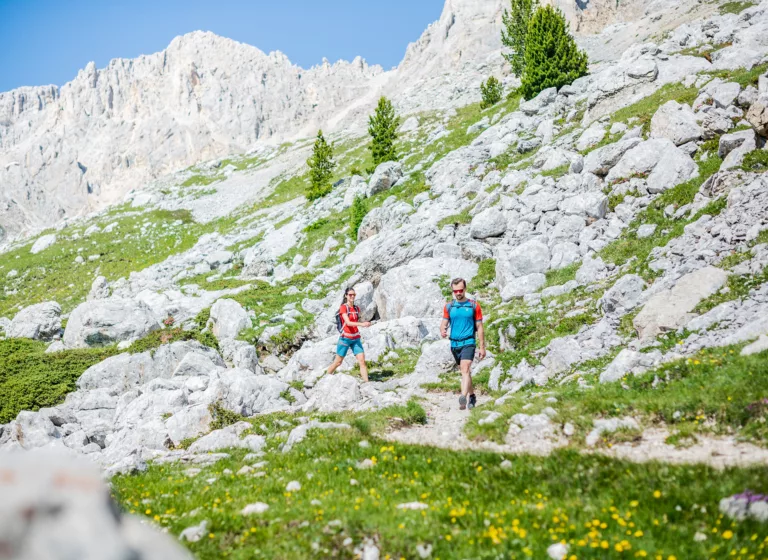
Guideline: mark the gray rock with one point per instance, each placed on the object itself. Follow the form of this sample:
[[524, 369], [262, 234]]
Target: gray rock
[[228, 318], [590, 137], [670, 309], [108, 321], [475, 251], [447, 251], [628, 361], [40, 322], [228, 437], [86, 524], [488, 223], [665, 164], [240, 354], [602, 160], [538, 103], [528, 145], [592, 270], [299, 433], [675, 122], [386, 175], [646, 230], [747, 96], [591, 204], [624, 295], [99, 289], [760, 345], [609, 425], [724, 94], [733, 147], [43, 243], [757, 116], [523, 285]]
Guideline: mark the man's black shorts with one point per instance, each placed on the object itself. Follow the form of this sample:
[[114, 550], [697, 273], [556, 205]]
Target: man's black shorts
[[463, 353]]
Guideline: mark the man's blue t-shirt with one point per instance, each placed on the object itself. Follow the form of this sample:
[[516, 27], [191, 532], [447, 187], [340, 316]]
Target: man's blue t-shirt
[[462, 319]]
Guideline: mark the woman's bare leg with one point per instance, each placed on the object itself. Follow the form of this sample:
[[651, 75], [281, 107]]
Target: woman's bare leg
[[335, 364], [363, 366]]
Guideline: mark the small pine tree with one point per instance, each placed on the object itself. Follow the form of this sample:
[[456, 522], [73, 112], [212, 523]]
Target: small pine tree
[[515, 31], [321, 166], [552, 58], [491, 91], [382, 126], [359, 210]]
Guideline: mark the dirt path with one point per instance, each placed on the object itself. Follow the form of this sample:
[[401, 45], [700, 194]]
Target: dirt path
[[445, 428]]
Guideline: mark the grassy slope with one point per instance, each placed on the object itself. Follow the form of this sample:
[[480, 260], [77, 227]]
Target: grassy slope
[[475, 508]]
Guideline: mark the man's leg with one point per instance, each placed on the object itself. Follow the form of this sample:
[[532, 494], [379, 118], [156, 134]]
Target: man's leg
[[466, 378], [363, 366]]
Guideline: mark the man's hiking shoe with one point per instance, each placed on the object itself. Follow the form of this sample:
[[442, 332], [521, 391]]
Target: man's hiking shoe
[[462, 402], [472, 400]]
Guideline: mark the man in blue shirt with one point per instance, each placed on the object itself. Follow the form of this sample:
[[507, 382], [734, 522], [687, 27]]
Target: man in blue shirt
[[466, 321]]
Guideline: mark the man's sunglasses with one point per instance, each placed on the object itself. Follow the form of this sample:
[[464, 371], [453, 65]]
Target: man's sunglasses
[[459, 291]]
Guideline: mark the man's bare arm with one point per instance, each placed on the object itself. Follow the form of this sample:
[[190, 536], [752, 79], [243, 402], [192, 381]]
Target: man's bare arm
[[481, 339]]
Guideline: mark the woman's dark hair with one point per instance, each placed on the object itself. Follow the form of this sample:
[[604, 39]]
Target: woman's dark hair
[[346, 291]]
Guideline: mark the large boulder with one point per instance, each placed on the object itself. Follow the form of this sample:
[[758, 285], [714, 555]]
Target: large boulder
[[386, 175], [228, 318], [108, 321], [624, 295], [40, 322], [670, 309], [56, 505], [602, 160], [665, 164], [488, 223], [758, 115], [43, 243], [247, 393], [524, 261], [675, 122], [733, 147], [333, 393], [413, 289]]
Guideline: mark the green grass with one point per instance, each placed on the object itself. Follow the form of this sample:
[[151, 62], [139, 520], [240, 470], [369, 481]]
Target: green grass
[[629, 245], [534, 331], [486, 273], [462, 217], [157, 338], [474, 507], [559, 276], [201, 180], [734, 7], [644, 109], [756, 161], [31, 379], [557, 172], [53, 275], [714, 391], [741, 76]]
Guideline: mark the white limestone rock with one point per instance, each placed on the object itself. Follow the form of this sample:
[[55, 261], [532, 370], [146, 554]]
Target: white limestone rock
[[108, 321], [40, 322]]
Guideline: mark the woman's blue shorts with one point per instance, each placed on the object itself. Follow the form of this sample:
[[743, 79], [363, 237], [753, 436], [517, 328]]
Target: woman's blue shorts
[[346, 344]]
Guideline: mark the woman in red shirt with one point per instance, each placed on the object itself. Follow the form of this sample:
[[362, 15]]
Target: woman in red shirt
[[350, 335]]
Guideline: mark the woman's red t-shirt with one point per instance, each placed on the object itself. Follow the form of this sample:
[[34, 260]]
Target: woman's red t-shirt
[[349, 331]]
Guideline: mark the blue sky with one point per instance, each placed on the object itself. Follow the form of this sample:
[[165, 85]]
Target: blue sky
[[47, 42]]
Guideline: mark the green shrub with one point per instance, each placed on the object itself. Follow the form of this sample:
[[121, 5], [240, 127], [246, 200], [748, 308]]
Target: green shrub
[[552, 58], [359, 210], [382, 126], [321, 166], [31, 379], [756, 161], [491, 91], [486, 273], [221, 417], [514, 32]]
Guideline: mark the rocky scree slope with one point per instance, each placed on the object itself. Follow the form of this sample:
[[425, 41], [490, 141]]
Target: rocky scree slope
[[625, 212]]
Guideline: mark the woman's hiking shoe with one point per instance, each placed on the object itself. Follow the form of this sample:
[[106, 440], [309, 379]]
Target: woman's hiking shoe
[[462, 402], [472, 400]]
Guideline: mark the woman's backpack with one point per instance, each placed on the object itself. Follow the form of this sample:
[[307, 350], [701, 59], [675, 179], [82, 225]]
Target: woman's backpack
[[340, 319]]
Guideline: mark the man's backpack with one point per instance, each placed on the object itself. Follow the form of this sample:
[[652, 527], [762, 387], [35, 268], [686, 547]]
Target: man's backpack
[[474, 307], [340, 319]]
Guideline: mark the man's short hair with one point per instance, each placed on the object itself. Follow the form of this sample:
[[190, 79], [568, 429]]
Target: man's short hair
[[457, 281]]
